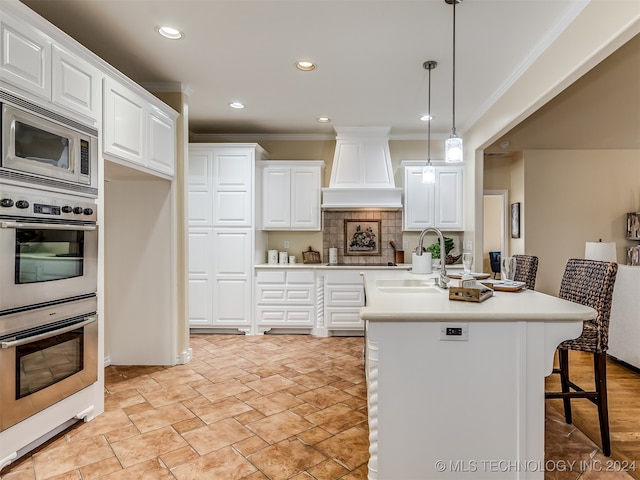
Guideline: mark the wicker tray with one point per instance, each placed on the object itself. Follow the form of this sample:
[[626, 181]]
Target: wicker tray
[[310, 256]]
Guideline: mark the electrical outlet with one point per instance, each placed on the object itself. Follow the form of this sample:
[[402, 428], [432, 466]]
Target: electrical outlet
[[405, 244], [454, 331], [468, 245], [286, 244]]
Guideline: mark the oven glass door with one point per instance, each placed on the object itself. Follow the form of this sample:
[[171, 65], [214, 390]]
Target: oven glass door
[[41, 263], [45, 255], [45, 362]]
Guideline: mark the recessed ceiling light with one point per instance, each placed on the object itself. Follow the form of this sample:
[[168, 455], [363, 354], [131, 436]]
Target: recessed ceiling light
[[426, 118], [323, 119], [305, 65], [170, 33], [236, 105]]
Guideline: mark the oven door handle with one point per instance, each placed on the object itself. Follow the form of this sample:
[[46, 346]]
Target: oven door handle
[[42, 336], [48, 226]]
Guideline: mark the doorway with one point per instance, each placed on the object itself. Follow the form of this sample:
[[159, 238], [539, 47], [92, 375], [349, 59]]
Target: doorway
[[495, 210]]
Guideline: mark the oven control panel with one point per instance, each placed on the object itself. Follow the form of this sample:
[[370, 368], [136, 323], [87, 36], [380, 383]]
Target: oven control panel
[[23, 202]]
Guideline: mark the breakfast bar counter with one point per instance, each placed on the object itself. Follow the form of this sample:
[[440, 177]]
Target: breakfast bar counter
[[456, 388]]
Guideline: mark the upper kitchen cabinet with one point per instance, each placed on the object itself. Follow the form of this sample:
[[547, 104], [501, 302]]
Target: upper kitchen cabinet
[[39, 67], [291, 194], [221, 179], [437, 204], [138, 131]]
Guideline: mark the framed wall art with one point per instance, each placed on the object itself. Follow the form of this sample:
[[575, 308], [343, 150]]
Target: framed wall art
[[362, 237], [515, 220]]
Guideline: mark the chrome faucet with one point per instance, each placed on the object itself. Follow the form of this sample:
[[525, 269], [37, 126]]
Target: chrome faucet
[[443, 280]]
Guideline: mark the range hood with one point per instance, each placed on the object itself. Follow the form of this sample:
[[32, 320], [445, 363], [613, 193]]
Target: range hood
[[361, 174]]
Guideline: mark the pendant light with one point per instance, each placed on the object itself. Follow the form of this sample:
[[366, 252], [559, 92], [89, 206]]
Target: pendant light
[[453, 144], [428, 171]]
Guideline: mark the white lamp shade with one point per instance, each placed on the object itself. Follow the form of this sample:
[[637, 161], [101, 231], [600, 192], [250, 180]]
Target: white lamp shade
[[453, 150], [603, 251]]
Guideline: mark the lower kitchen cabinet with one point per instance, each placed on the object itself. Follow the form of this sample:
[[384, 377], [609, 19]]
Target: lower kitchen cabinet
[[343, 298], [285, 298], [220, 282]]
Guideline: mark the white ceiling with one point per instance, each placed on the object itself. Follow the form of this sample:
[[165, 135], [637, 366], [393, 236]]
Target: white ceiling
[[369, 55]]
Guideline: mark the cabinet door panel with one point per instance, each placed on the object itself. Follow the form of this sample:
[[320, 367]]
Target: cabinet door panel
[[200, 252], [124, 123], [232, 252], [305, 198], [276, 209], [161, 141], [232, 181], [200, 189], [232, 208], [419, 201], [231, 302], [25, 57], [448, 212], [75, 84], [199, 301]]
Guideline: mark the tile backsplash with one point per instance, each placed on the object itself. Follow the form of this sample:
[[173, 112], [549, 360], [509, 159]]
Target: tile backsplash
[[334, 235]]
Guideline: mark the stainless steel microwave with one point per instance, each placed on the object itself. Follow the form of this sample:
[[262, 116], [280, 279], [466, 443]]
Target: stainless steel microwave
[[39, 146]]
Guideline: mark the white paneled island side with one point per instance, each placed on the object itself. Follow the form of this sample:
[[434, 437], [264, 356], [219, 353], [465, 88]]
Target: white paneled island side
[[455, 388]]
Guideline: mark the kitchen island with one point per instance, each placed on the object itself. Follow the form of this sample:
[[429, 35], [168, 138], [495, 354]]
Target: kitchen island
[[456, 388]]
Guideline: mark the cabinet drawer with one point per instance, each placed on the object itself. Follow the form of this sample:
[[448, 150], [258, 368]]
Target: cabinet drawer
[[290, 317], [300, 276], [342, 277], [271, 294], [271, 276], [300, 295], [344, 318], [344, 296]]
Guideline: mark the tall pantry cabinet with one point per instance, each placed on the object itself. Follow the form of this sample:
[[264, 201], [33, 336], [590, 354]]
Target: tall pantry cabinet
[[222, 234]]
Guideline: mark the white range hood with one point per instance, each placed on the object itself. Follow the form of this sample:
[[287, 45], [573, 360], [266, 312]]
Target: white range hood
[[361, 175]]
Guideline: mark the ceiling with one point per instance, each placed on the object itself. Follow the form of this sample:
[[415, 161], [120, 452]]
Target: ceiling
[[369, 56]]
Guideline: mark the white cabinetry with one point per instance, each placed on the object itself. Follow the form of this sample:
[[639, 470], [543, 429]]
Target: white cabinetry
[[291, 195], [137, 131], [432, 205], [222, 235], [343, 298], [285, 299], [25, 57], [33, 64]]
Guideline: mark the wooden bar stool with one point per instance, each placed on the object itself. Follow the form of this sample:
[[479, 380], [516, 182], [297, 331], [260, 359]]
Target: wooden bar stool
[[590, 283]]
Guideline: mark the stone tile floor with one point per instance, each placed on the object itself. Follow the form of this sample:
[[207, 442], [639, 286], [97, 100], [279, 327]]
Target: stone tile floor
[[264, 407]]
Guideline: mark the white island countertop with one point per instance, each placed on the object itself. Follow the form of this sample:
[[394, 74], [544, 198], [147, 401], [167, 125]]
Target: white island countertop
[[411, 304], [456, 389]]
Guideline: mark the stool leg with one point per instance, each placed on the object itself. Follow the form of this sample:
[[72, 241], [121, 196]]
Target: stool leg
[[600, 369], [563, 359]]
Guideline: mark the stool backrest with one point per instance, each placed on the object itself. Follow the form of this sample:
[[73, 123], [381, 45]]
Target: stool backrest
[[526, 270], [590, 283]]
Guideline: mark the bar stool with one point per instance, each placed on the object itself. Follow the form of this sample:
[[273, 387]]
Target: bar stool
[[526, 270], [590, 283]]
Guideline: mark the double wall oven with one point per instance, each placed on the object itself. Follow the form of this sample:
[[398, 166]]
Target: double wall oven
[[48, 263]]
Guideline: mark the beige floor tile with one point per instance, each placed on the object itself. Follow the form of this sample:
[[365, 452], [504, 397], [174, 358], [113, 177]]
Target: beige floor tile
[[217, 435], [226, 408], [161, 417], [218, 391], [324, 397], [147, 446], [287, 458], [223, 464], [279, 426], [328, 470], [274, 402], [270, 384], [171, 393], [102, 424], [68, 457], [178, 457], [250, 445], [100, 468], [152, 469], [336, 418], [350, 448]]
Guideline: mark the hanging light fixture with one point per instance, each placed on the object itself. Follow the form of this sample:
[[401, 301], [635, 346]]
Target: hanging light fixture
[[428, 171], [453, 144]]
